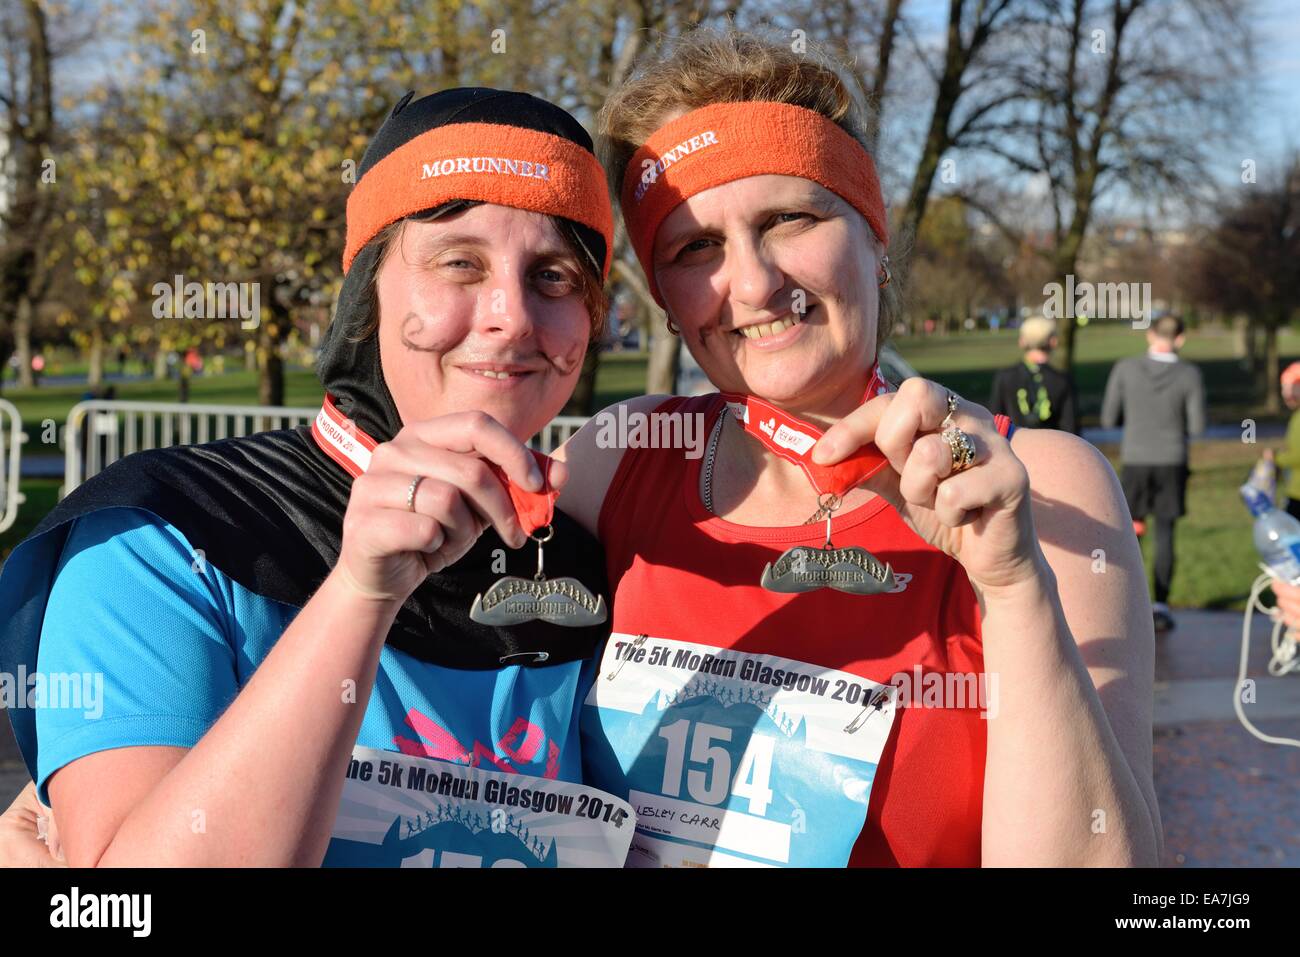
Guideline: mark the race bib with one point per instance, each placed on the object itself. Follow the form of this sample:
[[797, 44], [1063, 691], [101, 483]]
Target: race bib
[[734, 759], [404, 811]]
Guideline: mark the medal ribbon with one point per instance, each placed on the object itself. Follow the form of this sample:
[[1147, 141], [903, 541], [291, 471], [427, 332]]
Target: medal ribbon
[[535, 509], [792, 439], [341, 439]]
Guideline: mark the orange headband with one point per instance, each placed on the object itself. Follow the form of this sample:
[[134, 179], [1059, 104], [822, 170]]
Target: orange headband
[[722, 142], [1291, 374], [488, 162]]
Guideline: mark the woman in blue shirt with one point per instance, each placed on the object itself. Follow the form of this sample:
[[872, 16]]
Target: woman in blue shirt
[[239, 618]]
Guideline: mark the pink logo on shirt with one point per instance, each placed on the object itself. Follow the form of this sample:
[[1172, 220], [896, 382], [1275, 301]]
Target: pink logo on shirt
[[522, 743]]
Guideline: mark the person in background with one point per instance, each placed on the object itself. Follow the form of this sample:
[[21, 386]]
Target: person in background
[[1032, 393], [1288, 457], [1160, 401]]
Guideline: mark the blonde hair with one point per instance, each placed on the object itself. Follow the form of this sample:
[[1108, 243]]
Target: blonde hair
[[707, 66], [1036, 332]]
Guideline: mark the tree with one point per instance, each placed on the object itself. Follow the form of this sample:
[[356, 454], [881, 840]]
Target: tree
[[1248, 263], [28, 124], [1123, 96], [227, 149]]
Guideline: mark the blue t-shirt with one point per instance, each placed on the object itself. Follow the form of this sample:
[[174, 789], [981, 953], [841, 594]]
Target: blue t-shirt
[[175, 639]]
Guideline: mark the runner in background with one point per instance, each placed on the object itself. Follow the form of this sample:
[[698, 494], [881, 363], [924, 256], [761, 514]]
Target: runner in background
[[1032, 393], [1160, 402]]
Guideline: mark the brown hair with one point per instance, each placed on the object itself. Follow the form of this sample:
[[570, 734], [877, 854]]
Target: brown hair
[[594, 295], [707, 66], [1168, 328]]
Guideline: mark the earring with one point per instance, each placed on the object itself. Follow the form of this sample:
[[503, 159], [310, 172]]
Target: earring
[[888, 276], [671, 328]]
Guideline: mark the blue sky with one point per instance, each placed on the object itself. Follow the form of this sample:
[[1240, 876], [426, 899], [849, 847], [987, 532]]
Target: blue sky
[[1265, 126], [1276, 123], [1270, 124]]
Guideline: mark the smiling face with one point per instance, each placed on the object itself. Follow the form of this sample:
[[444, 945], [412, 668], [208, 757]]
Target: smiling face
[[482, 309], [735, 264]]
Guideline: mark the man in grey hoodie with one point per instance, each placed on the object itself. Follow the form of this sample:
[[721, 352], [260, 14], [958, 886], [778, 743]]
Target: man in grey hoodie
[[1160, 401]]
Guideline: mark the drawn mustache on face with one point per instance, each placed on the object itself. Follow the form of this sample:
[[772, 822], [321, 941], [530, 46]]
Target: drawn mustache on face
[[559, 601], [853, 570], [413, 326], [413, 334]]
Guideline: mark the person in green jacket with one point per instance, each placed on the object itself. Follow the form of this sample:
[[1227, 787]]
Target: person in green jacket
[[1288, 457]]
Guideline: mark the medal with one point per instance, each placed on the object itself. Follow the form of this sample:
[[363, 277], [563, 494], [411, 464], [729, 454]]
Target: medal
[[514, 600], [806, 568]]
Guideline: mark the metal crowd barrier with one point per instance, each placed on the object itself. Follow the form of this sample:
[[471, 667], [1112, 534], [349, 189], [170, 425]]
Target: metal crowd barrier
[[101, 431], [12, 438]]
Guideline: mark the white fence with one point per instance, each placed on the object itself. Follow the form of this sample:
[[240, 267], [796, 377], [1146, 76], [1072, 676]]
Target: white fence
[[12, 438], [101, 431]]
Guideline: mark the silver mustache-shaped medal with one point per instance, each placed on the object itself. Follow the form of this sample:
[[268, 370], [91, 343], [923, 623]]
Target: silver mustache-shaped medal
[[805, 568], [560, 601], [513, 600]]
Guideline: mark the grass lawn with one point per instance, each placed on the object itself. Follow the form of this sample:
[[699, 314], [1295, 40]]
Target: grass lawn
[[1215, 558], [42, 495], [966, 363]]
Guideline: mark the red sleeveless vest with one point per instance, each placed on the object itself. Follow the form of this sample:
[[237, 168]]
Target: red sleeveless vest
[[678, 572]]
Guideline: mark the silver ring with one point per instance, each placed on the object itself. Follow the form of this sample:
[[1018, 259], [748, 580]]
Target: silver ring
[[953, 399], [961, 447], [410, 492]]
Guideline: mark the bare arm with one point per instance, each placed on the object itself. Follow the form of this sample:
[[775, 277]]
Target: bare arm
[[262, 786], [1068, 779], [593, 461], [1068, 645]]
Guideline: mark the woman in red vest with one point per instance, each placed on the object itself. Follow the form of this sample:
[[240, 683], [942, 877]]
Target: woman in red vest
[[933, 650]]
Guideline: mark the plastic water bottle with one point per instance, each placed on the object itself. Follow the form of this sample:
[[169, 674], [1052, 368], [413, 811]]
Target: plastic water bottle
[[1277, 535]]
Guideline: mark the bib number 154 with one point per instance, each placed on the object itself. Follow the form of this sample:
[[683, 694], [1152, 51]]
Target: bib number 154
[[714, 782]]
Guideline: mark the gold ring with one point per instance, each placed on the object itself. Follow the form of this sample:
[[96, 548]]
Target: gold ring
[[961, 447]]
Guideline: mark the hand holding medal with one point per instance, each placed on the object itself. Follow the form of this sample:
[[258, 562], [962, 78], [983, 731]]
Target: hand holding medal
[[801, 569], [419, 502], [951, 475], [514, 600]]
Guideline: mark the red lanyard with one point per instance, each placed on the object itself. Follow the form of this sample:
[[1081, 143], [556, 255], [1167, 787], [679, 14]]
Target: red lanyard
[[792, 439], [342, 440], [535, 509]]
